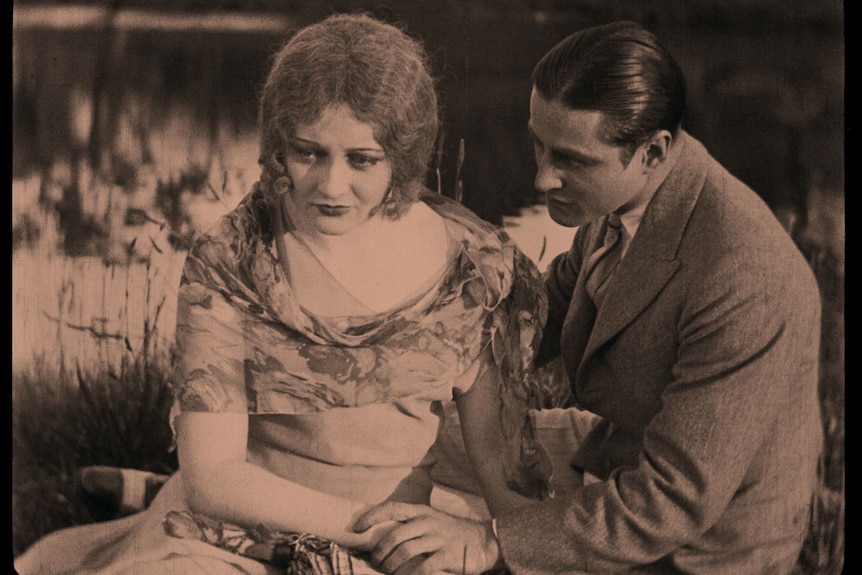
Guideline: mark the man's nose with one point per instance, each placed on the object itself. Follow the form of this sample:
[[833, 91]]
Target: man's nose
[[547, 177]]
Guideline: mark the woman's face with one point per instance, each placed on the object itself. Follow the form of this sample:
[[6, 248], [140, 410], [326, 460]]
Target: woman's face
[[340, 173]]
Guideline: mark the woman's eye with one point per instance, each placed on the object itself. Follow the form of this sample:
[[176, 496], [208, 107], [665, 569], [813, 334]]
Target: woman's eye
[[363, 162], [302, 153]]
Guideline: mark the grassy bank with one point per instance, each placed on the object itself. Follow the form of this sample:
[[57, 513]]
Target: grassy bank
[[61, 423], [91, 417], [91, 338]]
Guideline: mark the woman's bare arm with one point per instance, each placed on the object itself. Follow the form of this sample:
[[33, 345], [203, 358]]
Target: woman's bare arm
[[220, 483], [479, 411]]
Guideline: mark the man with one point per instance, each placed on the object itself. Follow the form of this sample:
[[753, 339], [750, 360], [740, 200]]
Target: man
[[698, 353]]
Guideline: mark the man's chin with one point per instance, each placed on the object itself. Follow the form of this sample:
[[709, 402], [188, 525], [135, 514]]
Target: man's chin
[[564, 219]]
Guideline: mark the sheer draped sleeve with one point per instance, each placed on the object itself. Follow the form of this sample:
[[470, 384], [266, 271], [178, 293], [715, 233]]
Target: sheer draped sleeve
[[244, 345]]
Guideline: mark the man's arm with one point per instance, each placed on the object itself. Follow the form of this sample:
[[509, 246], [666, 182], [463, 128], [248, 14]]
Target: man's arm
[[741, 344], [430, 541]]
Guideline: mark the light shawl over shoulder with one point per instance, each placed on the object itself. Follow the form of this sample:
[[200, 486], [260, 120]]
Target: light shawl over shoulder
[[245, 345]]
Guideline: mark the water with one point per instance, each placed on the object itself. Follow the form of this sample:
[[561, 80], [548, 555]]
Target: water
[[766, 95], [128, 140], [97, 311]]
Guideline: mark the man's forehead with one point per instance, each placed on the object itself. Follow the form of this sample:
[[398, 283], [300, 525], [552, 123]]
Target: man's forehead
[[552, 122]]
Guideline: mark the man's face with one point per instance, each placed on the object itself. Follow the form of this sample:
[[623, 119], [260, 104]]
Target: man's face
[[582, 176]]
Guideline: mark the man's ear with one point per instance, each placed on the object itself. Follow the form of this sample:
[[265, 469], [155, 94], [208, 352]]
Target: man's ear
[[657, 148]]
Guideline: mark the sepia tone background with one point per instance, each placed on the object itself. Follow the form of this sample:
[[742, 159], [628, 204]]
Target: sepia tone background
[[134, 128]]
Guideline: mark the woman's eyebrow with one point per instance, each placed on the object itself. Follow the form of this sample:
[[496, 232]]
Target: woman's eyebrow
[[314, 143], [362, 149], [298, 140]]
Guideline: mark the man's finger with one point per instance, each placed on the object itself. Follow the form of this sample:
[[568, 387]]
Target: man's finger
[[415, 568], [437, 564], [410, 567], [388, 511], [402, 544], [460, 558]]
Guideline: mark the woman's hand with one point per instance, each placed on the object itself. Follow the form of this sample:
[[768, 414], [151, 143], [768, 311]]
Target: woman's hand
[[427, 541], [220, 483]]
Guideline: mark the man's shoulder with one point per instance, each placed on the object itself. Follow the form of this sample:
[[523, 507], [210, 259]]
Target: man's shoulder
[[742, 247], [733, 232], [734, 215]]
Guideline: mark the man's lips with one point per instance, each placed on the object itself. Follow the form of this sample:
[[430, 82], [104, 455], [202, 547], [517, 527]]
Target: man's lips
[[558, 201]]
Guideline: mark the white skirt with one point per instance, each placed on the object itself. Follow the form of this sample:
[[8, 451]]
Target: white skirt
[[139, 545]]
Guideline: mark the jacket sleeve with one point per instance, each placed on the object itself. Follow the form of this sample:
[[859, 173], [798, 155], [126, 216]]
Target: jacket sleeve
[[746, 357]]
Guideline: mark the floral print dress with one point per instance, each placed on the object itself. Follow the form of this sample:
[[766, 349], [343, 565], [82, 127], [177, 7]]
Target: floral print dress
[[349, 405]]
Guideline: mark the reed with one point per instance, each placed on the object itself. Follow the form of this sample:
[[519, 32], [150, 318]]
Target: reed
[[62, 423], [109, 405]]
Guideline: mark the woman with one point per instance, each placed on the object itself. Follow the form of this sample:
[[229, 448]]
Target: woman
[[321, 325]]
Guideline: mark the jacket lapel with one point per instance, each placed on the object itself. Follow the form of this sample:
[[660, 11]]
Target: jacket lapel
[[651, 258]]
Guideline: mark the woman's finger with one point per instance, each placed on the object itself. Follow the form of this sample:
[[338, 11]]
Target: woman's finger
[[388, 511]]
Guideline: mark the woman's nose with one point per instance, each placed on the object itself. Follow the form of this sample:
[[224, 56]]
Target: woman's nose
[[335, 179]]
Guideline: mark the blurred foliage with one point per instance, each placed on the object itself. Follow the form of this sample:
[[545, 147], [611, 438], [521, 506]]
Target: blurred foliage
[[753, 15], [765, 82]]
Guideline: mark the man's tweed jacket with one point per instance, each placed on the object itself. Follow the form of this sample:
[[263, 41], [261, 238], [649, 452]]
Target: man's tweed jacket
[[703, 364]]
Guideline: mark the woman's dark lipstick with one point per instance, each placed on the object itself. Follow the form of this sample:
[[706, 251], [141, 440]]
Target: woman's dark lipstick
[[332, 211]]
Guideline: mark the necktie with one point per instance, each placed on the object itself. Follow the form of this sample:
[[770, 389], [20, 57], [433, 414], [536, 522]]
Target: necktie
[[604, 261]]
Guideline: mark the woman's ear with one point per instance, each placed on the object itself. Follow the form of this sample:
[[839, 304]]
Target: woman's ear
[[283, 184]]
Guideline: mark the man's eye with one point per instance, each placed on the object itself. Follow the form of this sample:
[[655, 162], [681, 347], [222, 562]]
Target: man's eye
[[538, 150], [534, 141], [567, 161]]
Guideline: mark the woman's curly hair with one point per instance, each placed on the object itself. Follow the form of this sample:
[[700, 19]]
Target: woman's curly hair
[[375, 69]]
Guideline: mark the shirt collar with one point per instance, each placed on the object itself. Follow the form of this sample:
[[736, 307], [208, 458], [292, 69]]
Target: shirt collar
[[632, 219]]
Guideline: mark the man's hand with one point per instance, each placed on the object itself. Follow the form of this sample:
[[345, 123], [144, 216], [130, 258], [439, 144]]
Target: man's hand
[[430, 541]]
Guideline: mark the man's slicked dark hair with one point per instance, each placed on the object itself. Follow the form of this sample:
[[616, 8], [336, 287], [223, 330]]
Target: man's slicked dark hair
[[622, 70]]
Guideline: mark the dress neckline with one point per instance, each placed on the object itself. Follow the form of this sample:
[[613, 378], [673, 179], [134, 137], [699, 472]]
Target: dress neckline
[[341, 302]]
